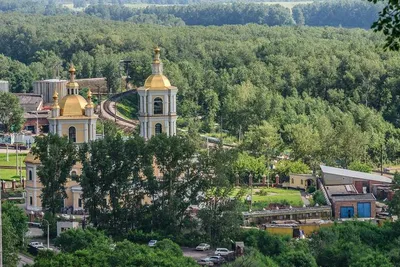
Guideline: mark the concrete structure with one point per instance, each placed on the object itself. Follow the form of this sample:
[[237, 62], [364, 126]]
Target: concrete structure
[[37, 122], [73, 117], [4, 87], [293, 229], [300, 181], [297, 214], [157, 98], [63, 226], [342, 188], [47, 88], [30, 102]]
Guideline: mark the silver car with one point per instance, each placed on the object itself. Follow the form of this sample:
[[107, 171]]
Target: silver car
[[203, 247], [206, 262]]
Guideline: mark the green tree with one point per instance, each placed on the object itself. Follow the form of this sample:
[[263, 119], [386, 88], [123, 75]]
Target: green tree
[[286, 167], [246, 164], [57, 156], [389, 23], [10, 241], [319, 197], [11, 113], [359, 166], [113, 78], [263, 140], [18, 220], [78, 239]]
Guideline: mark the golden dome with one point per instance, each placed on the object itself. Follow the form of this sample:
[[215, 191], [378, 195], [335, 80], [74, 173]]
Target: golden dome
[[157, 81], [73, 105]]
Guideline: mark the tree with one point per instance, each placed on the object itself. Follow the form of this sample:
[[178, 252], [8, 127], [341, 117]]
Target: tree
[[286, 167], [359, 166], [263, 140], [389, 23], [319, 198], [57, 156], [252, 258], [18, 221], [78, 239], [179, 184], [221, 218], [10, 241], [113, 78], [112, 180], [247, 164], [11, 113]]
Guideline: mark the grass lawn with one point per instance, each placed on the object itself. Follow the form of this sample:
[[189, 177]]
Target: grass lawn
[[10, 174], [273, 195], [12, 159], [127, 107]]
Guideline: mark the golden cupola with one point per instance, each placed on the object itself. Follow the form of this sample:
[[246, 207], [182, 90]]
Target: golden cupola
[[72, 104], [157, 80]]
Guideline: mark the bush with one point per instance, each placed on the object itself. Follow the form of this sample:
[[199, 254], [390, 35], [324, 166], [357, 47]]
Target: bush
[[319, 198], [311, 189]]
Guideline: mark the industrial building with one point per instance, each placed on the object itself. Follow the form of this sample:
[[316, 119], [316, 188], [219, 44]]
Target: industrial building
[[343, 192]]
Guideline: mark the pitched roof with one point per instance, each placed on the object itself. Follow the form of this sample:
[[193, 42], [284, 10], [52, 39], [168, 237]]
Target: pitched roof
[[354, 174]]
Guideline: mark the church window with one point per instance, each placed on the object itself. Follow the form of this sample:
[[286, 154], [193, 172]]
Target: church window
[[158, 128], [72, 134], [30, 201], [73, 174], [80, 203], [158, 106], [30, 176]]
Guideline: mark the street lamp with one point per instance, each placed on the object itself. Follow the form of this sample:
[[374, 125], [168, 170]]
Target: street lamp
[[48, 229]]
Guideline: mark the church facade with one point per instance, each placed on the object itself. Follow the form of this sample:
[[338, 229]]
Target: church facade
[[74, 117]]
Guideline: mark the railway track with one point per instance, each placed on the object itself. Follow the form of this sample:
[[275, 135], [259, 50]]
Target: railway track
[[109, 107]]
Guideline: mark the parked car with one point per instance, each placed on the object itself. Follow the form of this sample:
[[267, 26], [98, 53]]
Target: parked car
[[222, 251], [152, 243], [206, 262], [217, 259], [36, 244], [203, 247]]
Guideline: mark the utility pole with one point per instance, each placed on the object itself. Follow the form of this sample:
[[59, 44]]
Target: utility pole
[[16, 150]]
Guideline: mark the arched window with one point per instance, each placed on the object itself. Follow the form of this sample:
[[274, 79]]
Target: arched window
[[72, 134], [30, 176], [73, 174], [301, 182], [158, 128], [158, 106], [292, 181]]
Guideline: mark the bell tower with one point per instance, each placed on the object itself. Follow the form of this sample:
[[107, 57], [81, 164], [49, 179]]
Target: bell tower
[[157, 101]]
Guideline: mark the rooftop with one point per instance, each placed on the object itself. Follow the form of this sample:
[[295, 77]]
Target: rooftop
[[354, 174], [30, 102], [353, 197]]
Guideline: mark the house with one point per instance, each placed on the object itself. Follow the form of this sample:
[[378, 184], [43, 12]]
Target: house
[[301, 181]]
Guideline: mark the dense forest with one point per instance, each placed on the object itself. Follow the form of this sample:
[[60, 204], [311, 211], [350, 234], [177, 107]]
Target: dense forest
[[343, 13], [334, 86]]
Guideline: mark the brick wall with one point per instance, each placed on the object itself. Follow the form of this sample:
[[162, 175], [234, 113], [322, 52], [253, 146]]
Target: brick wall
[[338, 204]]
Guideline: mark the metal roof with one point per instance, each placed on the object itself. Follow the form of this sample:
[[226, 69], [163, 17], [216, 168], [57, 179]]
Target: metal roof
[[353, 197], [354, 174]]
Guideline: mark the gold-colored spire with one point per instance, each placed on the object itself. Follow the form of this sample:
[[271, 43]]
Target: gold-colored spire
[[89, 96], [156, 55], [55, 100], [72, 72]]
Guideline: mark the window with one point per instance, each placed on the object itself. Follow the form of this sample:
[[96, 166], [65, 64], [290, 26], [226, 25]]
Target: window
[[301, 182], [158, 128], [30, 201], [292, 181], [80, 203], [72, 134], [73, 174], [30, 176], [158, 106]]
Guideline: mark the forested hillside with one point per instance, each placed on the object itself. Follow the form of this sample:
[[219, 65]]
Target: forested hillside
[[343, 13], [330, 85]]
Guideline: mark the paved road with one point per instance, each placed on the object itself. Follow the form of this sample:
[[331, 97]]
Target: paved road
[[305, 200], [196, 255], [23, 260]]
